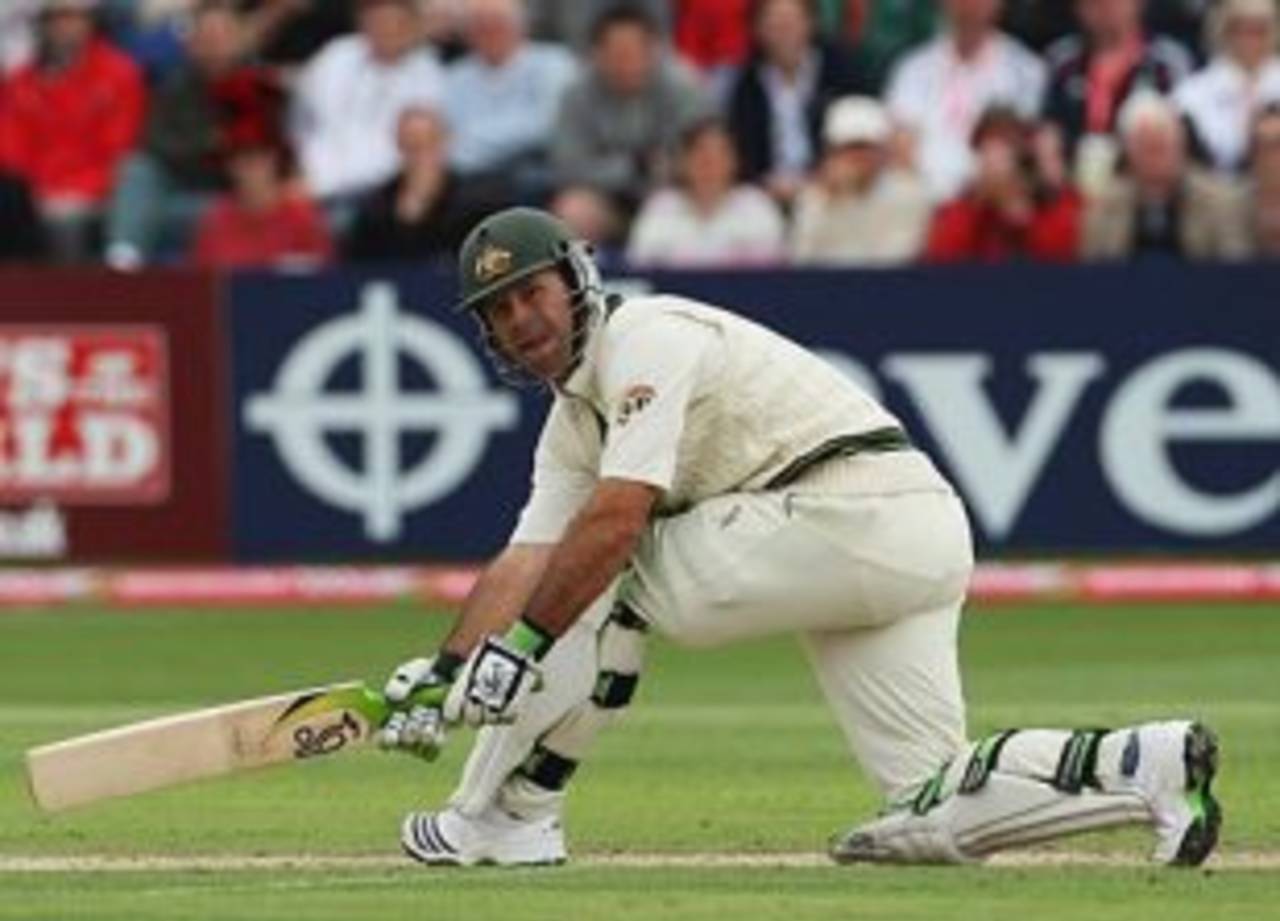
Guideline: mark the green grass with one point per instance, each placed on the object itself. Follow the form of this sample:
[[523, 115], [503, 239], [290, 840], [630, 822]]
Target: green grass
[[726, 751]]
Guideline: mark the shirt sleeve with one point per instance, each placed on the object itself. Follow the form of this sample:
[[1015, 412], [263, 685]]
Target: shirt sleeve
[[564, 476], [648, 384]]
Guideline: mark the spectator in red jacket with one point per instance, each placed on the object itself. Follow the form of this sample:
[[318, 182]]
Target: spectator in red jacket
[[715, 37], [66, 121], [1018, 205], [265, 221]]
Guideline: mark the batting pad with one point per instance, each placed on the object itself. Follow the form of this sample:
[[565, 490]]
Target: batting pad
[[1008, 811]]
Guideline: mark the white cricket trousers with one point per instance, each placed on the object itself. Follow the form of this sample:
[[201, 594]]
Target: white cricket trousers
[[868, 558]]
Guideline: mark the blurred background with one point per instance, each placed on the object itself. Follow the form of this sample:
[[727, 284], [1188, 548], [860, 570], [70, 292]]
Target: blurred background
[[1045, 232]]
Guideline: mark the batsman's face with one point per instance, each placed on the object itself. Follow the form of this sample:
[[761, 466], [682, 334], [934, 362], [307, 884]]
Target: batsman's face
[[532, 325]]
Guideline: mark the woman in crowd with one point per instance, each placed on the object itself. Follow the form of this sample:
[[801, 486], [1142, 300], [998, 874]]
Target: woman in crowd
[[1220, 102], [264, 220], [707, 219]]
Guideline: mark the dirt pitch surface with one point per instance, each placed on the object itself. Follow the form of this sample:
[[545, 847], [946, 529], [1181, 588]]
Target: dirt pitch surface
[[1265, 861]]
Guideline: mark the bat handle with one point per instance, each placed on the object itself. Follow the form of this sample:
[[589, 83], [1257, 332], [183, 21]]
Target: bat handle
[[426, 697]]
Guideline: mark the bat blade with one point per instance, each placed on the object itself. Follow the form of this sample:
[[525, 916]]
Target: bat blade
[[176, 749]]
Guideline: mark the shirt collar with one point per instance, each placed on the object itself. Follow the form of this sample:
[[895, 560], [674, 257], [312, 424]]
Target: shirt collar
[[580, 382], [978, 61], [1270, 70], [806, 75]]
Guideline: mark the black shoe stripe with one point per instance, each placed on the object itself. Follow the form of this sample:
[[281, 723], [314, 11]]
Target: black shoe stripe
[[422, 847], [422, 838], [434, 835]]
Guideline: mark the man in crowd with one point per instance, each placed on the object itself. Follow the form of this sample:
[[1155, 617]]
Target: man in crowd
[[348, 100], [1161, 205], [1093, 73], [68, 119], [620, 122], [426, 210], [941, 89], [171, 177], [777, 103], [501, 99]]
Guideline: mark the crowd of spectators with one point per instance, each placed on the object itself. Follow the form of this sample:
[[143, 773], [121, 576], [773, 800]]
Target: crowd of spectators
[[231, 133]]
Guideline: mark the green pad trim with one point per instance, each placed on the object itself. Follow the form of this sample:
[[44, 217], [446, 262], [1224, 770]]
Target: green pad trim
[[1077, 768], [986, 754]]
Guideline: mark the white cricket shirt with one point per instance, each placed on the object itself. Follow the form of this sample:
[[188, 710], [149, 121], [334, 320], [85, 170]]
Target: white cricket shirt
[[691, 399]]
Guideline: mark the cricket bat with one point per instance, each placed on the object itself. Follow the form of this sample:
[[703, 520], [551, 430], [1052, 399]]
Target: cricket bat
[[175, 749]]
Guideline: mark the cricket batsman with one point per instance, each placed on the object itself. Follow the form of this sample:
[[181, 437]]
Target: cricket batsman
[[701, 475]]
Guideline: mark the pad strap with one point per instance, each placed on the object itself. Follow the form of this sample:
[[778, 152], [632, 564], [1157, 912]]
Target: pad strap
[[614, 690], [1077, 767], [931, 794], [627, 619], [547, 769], [986, 754]]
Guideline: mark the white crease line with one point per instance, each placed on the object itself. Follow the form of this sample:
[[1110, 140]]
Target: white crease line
[[1244, 860]]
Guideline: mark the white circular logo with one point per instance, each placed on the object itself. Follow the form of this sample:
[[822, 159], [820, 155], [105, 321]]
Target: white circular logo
[[462, 412]]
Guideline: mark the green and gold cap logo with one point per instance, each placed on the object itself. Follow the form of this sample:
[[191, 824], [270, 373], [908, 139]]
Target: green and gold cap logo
[[492, 263]]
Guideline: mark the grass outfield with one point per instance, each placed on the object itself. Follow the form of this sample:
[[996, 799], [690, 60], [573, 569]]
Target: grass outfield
[[727, 754]]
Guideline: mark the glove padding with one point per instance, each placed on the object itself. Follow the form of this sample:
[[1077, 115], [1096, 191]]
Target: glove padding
[[418, 730], [493, 685]]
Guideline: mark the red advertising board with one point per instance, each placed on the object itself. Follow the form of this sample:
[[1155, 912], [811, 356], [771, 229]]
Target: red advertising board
[[111, 417], [84, 414]]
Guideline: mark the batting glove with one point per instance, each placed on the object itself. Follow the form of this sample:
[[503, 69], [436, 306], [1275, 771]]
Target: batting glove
[[418, 729], [500, 675]]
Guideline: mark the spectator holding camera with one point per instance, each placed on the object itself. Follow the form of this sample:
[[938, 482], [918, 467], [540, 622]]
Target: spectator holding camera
[[1019, 204], [706, 218], [1160, 205], [1220, 102], [860, 208]]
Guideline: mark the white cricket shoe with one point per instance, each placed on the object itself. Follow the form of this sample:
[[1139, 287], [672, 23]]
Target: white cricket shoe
[[1175, 764], [494, 837]]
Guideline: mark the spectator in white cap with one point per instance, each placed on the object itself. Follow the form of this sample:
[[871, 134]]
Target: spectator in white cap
[[706, 218], [860, 208], [1160, 205], [1221, 101]]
